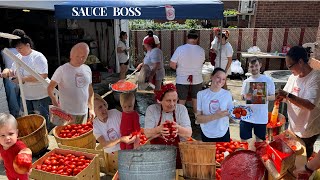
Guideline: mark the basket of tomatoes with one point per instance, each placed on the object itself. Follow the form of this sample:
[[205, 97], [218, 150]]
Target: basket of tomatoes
[[66, 164], [76, 135]]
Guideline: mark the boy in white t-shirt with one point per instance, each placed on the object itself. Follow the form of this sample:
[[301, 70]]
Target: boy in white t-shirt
[[259, 119]]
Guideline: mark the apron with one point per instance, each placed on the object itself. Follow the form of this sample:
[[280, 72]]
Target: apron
[[160, 140]]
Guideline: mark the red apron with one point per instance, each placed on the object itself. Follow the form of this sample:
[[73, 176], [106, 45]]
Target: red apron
[[160, 140]]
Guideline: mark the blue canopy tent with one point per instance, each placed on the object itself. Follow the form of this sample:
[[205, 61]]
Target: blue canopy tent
[[139, 9], [149, 9]]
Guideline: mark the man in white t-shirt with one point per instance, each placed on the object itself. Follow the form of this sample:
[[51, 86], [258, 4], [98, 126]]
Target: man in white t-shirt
[[259, 118], [75, 85], [302, 96], [188, 60]]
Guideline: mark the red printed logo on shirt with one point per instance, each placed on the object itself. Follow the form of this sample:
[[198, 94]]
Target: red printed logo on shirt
[[214, 106], [112, 134], [295, 91], [80, 80]]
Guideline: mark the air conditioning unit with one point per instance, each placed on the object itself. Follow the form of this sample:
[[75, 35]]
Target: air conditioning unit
[[246, 7]]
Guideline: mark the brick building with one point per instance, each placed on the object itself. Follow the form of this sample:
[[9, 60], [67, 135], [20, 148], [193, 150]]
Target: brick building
[[280, 14]]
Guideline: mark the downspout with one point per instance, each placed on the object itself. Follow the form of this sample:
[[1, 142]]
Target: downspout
[[57, 40]]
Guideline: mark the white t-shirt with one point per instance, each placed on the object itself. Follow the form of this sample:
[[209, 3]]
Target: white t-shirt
[[189, 59], [7, 60], [73, 85], [38, 62], [153, 116], [110, 130], [155, 56], [303, 122], [209, 102], [155, 37], [226, 52], [259, 111], [122, 57]]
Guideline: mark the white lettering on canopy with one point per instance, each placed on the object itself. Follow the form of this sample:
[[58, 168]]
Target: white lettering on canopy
[[102, 11]]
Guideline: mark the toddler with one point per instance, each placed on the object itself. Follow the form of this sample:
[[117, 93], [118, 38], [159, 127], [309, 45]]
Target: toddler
[[10, 147], [130, 118]]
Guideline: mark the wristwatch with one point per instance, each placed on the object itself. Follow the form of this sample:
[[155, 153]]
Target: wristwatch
[[308, 169], [289, 95]]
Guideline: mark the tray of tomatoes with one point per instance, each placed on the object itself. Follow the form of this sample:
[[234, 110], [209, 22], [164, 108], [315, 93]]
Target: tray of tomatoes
[[225, 148], [240, 112], [65, 164]]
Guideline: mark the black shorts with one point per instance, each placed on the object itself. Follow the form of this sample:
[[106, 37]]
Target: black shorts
[[183, 90], [224, 138], [258, 129], [126, 63]]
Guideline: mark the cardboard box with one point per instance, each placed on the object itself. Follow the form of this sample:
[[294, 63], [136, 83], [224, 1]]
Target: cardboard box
[[281, 155], [92, 171]]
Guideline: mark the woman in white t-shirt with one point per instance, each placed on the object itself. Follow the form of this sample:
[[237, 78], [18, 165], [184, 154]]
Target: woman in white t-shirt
[[123, 54], [152, 67], [212, 109], [226, 51], [35, 92], [106, 126]]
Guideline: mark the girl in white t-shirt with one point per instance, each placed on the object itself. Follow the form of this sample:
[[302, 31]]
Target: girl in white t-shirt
[[212, 109], [35, 92], [106, 126], [123, 55]]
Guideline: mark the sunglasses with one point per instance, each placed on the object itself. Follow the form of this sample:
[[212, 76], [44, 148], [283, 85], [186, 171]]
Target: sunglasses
[[290, 66]]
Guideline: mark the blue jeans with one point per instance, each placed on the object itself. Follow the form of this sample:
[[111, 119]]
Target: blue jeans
[[13, 97], [41, 107]]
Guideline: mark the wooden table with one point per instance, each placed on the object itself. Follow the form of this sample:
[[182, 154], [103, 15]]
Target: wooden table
[[266, 56]]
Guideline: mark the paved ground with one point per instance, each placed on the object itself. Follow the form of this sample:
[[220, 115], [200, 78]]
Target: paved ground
[[144, 99]]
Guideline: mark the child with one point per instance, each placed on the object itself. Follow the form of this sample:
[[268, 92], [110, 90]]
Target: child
[[10, 147], [130, 118]]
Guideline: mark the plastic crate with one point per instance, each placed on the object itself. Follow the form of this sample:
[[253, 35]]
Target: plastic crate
[[92, 171]]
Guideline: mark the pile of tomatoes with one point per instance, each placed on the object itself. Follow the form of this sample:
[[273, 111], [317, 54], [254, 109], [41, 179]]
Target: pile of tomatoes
[[68, 165], [75, 130], [228, 146], [238, 112], [218, 173], [171, 137], [123, 86], [142, 137]]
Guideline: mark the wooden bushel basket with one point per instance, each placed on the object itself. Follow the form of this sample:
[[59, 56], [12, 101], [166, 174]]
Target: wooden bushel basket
[[86, 140], [110, 161], [198, 159], [33, 132]]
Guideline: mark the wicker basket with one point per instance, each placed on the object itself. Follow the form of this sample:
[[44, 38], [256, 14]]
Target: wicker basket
[[33, 132], [198, 159], [86, 140]]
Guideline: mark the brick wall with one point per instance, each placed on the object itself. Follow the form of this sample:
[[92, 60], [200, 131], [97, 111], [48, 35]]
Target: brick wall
[[284, 14]]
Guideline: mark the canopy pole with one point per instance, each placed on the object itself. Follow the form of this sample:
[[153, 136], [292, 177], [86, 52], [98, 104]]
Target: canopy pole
[[220, 44], [57, 40], [24, 104]]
